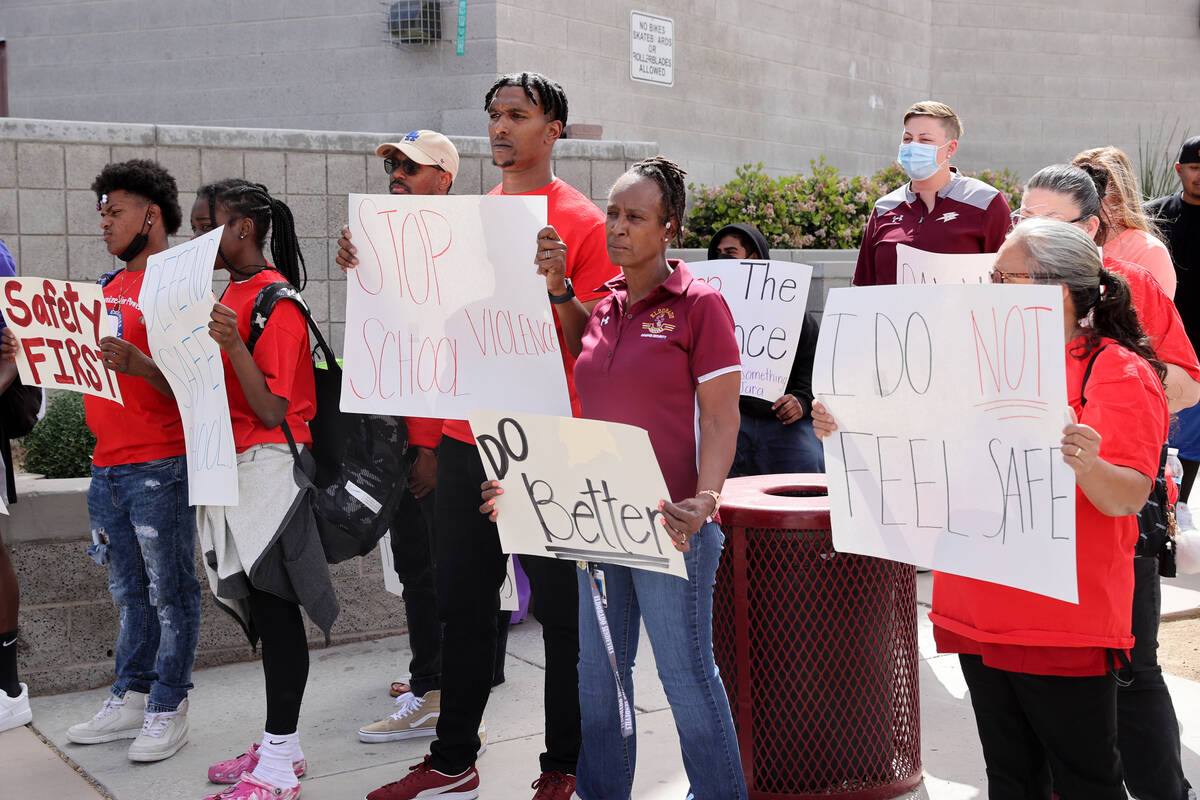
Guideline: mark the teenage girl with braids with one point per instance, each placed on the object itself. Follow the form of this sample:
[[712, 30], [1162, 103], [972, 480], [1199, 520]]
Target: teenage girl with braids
[[691, 364], [268, 559], [1040, 670]]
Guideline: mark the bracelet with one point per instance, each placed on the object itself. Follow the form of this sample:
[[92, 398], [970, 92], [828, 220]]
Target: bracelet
[[716, 496]]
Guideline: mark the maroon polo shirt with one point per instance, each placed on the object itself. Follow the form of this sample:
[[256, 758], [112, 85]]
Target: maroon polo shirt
[[968, 216], [641, 365]]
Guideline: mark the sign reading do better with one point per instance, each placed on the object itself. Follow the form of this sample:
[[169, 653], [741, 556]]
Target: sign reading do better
[[950, 402], [578, 489]]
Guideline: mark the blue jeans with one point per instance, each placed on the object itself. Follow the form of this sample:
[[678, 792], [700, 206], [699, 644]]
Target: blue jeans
[[143, 510], [765, 446], [678, 618]]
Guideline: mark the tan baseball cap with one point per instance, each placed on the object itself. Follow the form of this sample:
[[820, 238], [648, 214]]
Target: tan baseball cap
[[424, 147]]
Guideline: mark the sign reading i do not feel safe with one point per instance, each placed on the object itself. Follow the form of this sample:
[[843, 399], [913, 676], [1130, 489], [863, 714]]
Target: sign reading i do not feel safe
[[446, 312], [950, 402], [577, 489]]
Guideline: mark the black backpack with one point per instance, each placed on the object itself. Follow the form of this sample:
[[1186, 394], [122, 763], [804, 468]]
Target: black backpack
[[361, 459]]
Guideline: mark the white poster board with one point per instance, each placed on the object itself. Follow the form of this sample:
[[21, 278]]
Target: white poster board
[[950, 402], [768, 300], [446, 312], [177, 302], [59, 325], [578, 489], [920, 266]]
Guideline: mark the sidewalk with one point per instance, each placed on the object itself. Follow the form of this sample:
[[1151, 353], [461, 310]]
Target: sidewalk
[[348, 687]]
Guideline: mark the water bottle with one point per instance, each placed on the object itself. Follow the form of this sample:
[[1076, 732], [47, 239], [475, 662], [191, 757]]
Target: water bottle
[[1174, 465]]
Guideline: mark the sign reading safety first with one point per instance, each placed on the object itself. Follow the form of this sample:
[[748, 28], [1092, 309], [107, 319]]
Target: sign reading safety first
[[58, 324]]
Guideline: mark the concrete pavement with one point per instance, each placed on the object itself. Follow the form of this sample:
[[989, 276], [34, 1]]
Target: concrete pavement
[[348, 687]]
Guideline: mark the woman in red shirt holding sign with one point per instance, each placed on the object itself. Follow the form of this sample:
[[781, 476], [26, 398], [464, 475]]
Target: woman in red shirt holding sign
[[267, 556], [1040, 670]]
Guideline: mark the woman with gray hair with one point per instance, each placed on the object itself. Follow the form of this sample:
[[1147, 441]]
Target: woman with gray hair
[[1040, 670]]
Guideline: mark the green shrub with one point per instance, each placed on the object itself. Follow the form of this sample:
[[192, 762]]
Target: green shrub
[[60, 445], [823, 210]]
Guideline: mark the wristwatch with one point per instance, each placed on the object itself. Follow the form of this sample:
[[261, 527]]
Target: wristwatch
[[558, 299], [716, 496]]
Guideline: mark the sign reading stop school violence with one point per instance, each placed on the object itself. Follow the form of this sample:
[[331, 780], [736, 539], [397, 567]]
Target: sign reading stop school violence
[[578, 489], [59, 325], [446, 312], [177, 302], [950, 402], [919, 266], [767, 300]]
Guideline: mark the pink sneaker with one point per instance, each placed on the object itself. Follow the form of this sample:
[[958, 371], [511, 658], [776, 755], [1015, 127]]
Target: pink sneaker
[[231, 769], [249, 787]]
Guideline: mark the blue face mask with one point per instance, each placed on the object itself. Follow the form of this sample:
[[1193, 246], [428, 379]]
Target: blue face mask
[[919, 160]]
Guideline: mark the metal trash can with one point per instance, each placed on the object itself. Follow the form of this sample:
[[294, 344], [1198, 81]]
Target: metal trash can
[[817, 649]]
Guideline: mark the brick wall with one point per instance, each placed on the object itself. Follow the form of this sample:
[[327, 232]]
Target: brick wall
[[48, 214]]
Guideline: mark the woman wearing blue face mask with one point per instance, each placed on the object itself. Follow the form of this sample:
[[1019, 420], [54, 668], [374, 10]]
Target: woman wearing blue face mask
[[938, 210]]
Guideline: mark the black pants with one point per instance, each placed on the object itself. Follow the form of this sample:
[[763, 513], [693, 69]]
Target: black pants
[[284, 658], [1035, 726], [412, 553], [470, 570], [1147, 729]]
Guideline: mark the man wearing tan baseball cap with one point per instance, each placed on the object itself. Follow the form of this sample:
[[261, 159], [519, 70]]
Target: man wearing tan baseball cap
[[422, 162]]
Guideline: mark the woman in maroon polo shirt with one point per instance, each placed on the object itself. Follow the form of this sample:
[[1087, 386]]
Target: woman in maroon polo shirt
[[659, 352]]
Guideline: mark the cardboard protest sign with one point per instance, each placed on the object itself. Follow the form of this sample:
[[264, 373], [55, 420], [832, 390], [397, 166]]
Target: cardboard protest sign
[[177, 302], [768, 300], [59, 325], [919, 266], [578, 489], [446, 311], [950, 402]]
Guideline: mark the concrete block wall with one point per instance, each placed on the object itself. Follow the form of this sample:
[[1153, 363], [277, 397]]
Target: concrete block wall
[[68, 623], [48, 213]]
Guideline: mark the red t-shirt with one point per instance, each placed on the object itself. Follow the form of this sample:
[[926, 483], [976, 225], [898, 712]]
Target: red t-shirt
[[147, 427], [581, 225], [641, 364], [282, 353], [1160, 320], [968, 216], [424, 431], [1021, 631]]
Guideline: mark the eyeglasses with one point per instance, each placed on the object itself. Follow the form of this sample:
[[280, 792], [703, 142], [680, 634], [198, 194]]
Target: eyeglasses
[[409, 166], [1020, 215], [1011, 277]]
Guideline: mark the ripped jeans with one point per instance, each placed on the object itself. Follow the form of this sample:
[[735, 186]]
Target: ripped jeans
[[143, 510]]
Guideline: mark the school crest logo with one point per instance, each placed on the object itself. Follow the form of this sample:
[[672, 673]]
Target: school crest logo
[[658, 323], [949, 216]]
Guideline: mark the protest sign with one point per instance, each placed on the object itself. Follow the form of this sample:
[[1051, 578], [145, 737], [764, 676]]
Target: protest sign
[[177, 302], [59, 325], [950, 402], [446, 311], [578, 489], [919, 266], [767, 300]]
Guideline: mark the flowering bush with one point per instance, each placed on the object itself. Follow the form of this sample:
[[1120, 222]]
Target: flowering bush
[[823, 210]]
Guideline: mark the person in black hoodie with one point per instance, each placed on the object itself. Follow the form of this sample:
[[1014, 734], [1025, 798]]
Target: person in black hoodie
[[774, 437]]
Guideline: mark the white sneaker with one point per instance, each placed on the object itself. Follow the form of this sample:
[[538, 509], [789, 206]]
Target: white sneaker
[[163, 733], [15, 711], [482, 739], [118, 718]]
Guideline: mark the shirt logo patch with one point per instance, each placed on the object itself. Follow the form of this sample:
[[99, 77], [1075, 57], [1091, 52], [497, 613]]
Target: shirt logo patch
[[897, 217], [604, 320], [658, 321], [949, 216]]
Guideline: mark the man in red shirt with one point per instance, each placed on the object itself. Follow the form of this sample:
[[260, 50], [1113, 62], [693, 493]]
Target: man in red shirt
[[526, 112], [938, 210]]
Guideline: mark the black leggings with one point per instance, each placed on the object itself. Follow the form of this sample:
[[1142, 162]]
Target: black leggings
[[284, 657]]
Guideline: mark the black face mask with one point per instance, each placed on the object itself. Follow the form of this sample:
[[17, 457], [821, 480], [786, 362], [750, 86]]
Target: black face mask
[[136, 245]]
